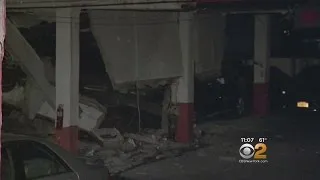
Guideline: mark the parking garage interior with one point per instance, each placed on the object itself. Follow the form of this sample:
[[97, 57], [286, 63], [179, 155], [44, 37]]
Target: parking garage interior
[[185, 84]]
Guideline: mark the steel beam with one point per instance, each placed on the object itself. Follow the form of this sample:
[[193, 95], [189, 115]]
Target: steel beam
[[106, 4]]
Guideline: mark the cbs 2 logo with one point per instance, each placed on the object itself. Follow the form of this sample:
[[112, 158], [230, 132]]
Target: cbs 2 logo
[[247, 151]]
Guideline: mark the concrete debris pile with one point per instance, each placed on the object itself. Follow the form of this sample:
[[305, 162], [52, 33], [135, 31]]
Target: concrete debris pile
[[121, 152]]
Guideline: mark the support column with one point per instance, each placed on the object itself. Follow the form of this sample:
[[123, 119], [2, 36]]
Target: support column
[[67, 76], [261, 68], [2, 37], [185, 90]]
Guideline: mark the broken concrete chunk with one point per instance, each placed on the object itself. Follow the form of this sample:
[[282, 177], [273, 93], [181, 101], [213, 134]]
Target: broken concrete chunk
[[110, 137], [147, 139], [107, 132], [91, 116], [128, 145]]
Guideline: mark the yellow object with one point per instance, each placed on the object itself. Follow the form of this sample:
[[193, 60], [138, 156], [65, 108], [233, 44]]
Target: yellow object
[[302, 104]]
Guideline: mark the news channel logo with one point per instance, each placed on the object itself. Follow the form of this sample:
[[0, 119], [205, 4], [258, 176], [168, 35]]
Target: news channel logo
[[251, 152]]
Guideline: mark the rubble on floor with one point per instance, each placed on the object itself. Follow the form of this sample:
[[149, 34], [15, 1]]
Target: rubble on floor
[[121, 152]]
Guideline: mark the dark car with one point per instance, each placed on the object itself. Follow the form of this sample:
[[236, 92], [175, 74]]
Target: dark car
[[306, 94], [233, 97]]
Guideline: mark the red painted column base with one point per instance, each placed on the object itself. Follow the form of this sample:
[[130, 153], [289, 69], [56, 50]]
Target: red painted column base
[[260, 99], [185, 123], [68, 138]]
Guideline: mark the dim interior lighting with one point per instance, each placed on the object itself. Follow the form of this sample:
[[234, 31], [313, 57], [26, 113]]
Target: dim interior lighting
[[283, 92]]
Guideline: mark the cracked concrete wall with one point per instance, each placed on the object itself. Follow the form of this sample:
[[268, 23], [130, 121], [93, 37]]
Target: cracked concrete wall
[[146, 45]]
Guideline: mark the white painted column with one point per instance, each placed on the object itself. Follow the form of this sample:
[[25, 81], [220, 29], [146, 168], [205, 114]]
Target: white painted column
[[67, 74], [261, 68], [185, 89], [186, 82]]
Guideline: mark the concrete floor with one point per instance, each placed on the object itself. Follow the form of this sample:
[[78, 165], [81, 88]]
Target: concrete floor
[[293, 152]]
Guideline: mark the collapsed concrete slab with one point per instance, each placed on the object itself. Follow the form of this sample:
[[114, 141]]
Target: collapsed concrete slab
[[91, 115], [151, 43], [30, 62], [38, 96]]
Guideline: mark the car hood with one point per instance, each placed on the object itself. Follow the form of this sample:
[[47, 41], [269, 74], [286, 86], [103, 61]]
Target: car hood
[[308, 94]]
